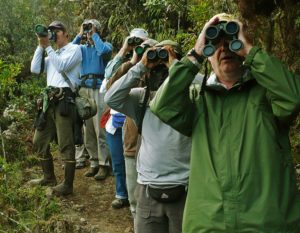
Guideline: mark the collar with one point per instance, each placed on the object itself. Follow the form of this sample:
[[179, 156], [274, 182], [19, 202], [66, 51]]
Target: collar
[[214, 83]]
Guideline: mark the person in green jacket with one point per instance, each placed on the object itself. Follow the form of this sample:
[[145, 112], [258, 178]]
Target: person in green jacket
[[242, 177]]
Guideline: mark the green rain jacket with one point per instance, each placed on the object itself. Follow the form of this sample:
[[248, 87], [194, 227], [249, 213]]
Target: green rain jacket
[[242, 178]]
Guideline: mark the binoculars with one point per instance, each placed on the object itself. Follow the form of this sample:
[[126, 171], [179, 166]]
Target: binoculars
[[213, 34], [43, 31], [159, 53], [134, 41], [87, 27], [140, 49]]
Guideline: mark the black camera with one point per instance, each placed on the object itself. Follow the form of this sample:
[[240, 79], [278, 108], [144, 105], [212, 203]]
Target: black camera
[[159, 53], [140, 49], [87, 27], [134, 41], [213, 34], [42, 31]]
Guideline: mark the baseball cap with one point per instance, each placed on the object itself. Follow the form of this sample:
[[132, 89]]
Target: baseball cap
[[139, 32], [57, 25]]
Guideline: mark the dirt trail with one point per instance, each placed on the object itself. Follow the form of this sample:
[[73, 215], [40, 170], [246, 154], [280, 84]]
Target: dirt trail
[[89, 207]]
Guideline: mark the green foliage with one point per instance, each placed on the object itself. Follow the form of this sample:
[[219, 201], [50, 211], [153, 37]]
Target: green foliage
[[22, 207]]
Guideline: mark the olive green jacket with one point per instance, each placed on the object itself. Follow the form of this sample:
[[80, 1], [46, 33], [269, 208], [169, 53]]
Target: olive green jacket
[[242, 178]]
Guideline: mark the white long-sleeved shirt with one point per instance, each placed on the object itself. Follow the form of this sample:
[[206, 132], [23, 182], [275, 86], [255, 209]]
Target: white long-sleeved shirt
[[66, 59]]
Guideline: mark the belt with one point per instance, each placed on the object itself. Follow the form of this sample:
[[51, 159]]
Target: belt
[[92, 76]]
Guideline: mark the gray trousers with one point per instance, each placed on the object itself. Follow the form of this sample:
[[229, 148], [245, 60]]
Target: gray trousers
[[60, 126], [131, 177], [156, 217], [94, 136]]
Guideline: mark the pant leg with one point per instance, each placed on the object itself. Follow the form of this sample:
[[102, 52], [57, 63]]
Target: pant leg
[[174, 213], [131, 177], [91, 129], [80, 153], [43, 138], [103, 150], [118, 163], [150, 215], [91, 141], [65, 133]]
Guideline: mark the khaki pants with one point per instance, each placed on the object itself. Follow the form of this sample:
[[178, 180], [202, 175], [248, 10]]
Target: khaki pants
[[156, 217], [60, 127], [94, 136]]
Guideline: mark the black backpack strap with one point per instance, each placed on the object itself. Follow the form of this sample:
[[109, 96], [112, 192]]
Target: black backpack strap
[[144, 106]]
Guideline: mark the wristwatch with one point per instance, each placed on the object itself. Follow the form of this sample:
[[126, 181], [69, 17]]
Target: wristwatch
[[198, 57]]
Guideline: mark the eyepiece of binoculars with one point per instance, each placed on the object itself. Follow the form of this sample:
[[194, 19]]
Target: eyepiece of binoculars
[[134, 41], [43, 31], [214, 33], [157, 54], [87, 27], [140, 49]]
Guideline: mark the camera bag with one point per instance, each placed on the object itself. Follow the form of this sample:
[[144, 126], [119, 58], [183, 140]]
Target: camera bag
[[167, 195], [86, 107]]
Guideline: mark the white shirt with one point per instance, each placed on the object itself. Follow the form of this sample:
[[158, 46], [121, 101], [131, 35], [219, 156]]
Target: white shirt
[[66, 59]]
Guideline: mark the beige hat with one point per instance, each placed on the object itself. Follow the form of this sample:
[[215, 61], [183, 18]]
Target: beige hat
[[225, 17], [150, 42], [139, 32], [175, 45]]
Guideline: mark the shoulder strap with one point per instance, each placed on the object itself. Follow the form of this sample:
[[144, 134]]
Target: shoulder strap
[[68, 81], [43, 62], [144, 107]]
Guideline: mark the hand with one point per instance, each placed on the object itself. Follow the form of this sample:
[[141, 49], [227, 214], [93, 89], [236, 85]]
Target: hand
[[135, 58], [241, 36], [171, 56], [125, 48], [81, 30], [43, 41], [93, 30], [200, 43]]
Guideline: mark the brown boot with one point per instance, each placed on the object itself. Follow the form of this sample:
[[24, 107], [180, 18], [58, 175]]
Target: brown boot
[[49, 178], [66, 187], [102, 173]]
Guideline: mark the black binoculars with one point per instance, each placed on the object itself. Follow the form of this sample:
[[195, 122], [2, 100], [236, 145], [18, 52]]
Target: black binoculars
[[140, 49], [134, 41], [87, 27], [43, 31], [159, 53], [213, 34]]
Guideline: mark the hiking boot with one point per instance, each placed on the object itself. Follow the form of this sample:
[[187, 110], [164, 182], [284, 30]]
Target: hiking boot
[[80, 165], [66, 187], [92, 171], [49, 178], [42, 182], [102, 173], [119, 203]]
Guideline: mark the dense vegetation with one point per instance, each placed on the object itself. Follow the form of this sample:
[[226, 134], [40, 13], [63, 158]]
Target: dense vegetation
[[274, 25]]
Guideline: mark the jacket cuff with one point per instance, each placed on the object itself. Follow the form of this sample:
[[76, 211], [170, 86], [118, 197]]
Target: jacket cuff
[[249, 58]]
